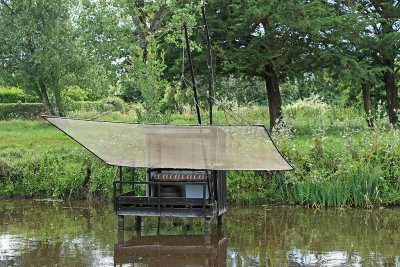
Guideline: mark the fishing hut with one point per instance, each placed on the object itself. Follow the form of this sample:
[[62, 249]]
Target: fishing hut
[[185, 164]]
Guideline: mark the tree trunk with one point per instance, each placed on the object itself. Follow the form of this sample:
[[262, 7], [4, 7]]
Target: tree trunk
[[140, 19], [389, 55], [366, 93], [392, 96], [274, 96], [59, 104], [45, 98]]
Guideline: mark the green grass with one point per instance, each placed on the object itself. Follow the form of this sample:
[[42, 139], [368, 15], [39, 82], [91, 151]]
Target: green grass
[[338, 160]]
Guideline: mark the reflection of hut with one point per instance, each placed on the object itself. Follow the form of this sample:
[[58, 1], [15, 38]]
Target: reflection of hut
[[186, 164], [182, 250]]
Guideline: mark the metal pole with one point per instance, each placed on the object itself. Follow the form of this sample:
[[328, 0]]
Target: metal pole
[[209, 61], [192, 72], [120, 180]]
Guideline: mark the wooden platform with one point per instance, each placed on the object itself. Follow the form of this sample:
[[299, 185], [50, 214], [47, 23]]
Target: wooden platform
[[128, 204]]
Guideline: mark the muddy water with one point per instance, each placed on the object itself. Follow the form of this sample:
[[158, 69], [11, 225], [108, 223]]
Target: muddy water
[[40, 233]]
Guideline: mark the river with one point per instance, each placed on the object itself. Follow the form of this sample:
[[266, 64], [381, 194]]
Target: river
[[51, 233]]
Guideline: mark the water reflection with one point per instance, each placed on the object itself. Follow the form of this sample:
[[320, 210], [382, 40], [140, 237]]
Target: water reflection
[[174, 250], [338, 258], [37, 233], [296, 236]]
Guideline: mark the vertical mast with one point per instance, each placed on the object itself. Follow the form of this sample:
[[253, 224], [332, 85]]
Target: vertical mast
[[192, 72], [209, 61]]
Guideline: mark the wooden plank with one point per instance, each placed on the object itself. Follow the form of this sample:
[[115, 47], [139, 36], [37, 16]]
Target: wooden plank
[[163, 200], [174, 212]]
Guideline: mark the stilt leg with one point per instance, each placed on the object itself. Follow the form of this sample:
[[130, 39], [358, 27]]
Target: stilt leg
[[207, 225], [138, 223], [220, 220], [121, 237], [158, 225], [120, 223], [220, 225]]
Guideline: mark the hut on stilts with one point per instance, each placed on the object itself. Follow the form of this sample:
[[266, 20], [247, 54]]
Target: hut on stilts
[[185, 164]]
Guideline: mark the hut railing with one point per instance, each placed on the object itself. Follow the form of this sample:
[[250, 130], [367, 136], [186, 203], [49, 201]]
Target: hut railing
[[160, 199]]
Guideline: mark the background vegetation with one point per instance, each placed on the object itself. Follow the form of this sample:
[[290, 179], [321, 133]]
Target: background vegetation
[[339, 160], [322, 74]]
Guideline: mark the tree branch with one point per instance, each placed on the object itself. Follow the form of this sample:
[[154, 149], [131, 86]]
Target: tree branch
[[157, 18]]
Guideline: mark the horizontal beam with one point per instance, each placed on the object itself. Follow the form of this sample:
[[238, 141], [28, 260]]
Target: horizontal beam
[[173, 212]]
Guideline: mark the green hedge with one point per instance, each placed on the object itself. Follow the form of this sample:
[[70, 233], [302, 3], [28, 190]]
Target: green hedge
[[10, 111], [13, 95], [21, 111], [97, 106]]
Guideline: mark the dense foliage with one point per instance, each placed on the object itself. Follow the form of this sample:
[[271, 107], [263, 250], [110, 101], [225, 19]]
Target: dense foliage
[[14, 95], [265, 53], [28, 111]]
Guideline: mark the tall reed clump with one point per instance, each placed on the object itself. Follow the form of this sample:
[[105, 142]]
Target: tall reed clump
[[359, 187], [339, 161]]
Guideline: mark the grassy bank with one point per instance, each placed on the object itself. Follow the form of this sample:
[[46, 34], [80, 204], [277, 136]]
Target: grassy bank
[[338, 160]]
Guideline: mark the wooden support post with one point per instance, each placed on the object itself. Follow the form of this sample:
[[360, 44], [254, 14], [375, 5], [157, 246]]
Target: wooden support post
[[120, 223], [158, 225], [138, 223], [207, 225], [121, 237], [220, 220], [220, 225]]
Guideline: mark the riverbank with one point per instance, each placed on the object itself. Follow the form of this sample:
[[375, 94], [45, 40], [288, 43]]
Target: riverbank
[[338, 160]]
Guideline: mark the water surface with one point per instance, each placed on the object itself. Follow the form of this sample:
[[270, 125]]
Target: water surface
[[45, 233]]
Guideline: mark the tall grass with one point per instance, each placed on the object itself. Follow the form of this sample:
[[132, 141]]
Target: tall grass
[[360, 187]]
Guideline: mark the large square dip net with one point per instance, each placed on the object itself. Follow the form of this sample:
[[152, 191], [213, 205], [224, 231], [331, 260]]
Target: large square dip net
[[202, 147]]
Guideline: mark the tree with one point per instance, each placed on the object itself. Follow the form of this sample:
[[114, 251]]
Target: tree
[[385, 47], [373, 51], [38, 48], [276, 40], [124, 37]]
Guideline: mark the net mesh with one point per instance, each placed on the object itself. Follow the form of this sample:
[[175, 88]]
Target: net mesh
[[176, 146]]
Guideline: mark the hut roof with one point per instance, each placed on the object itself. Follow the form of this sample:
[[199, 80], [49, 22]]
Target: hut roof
[[211, 147]]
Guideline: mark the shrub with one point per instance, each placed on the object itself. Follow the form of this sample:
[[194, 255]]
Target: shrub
[[86, 106], [21, 111], [76, 93], [14, 94], [116, 102], [307, 107]]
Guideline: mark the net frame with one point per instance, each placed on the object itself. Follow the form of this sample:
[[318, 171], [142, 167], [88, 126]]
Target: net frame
[[48, 118]]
